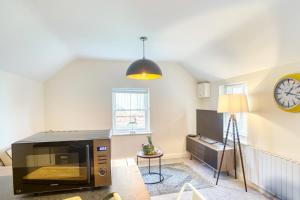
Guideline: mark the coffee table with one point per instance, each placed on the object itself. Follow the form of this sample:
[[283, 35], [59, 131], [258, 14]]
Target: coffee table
[[158, 155]]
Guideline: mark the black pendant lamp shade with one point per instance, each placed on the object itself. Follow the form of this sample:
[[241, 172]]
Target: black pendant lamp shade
[[143, 69]]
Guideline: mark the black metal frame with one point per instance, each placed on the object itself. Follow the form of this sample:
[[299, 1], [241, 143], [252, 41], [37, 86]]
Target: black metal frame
[[235, 131], [161, 177]]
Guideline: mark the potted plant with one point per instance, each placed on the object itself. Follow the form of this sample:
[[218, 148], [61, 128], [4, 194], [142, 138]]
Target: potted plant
[[149, 149]]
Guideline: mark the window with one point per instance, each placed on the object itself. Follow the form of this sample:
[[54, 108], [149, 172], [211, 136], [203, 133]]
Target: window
[[130, 111], [241, 117]]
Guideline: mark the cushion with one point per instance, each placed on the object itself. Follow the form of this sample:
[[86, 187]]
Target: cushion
[[6, 159], [9, 152]]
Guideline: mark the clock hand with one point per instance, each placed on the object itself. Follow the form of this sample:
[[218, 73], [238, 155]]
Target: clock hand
[[296, 95], [289, 92]]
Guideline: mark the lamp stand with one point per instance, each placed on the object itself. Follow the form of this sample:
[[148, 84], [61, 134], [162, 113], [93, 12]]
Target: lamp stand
[[235, 131]]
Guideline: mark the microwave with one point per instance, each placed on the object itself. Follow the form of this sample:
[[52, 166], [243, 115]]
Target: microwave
[[62, 160]]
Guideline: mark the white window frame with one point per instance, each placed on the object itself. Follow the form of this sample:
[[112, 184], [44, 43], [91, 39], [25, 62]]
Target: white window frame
[[242, 118], [132, 131]]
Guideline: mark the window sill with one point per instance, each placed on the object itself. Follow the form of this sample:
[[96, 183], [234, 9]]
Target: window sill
[[243, 140], [131, 133]]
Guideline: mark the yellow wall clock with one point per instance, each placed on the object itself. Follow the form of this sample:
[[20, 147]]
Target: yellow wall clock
[[287, 93]]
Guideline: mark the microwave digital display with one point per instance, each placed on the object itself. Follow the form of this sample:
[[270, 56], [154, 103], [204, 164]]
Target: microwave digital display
[[102, 148]]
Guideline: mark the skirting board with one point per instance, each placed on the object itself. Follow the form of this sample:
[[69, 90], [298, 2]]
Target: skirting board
[[165, 158], [174, 156]]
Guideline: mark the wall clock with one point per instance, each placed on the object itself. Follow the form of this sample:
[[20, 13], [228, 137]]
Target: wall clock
[[287, 93]]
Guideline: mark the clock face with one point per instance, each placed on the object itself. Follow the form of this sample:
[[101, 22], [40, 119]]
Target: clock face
[[287, 93]]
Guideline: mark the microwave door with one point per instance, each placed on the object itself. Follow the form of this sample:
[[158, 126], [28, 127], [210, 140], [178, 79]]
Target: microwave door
[[54, 164]]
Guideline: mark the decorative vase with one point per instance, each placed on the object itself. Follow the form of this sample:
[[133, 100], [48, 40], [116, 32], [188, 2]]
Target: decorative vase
[[149, 149]]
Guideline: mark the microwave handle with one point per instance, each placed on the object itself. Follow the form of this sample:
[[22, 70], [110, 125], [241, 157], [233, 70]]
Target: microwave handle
[[88, 161]]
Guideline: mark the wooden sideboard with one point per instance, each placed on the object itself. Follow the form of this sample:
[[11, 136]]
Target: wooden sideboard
[[210, 154]]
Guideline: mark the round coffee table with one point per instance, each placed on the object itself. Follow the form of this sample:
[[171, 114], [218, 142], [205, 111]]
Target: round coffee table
[[158, 155]]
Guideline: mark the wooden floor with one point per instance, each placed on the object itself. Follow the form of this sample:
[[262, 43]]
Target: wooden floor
[[227, 189]]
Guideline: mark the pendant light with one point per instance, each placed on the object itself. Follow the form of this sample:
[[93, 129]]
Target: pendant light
[[143, 69]]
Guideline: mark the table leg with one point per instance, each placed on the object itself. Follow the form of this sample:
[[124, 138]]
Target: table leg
[[149, 165], [159, 169]]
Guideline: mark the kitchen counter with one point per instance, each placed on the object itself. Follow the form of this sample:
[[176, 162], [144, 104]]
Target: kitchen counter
[[126, 180]]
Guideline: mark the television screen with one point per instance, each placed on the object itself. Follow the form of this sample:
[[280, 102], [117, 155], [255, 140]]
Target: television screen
[[210, 124]]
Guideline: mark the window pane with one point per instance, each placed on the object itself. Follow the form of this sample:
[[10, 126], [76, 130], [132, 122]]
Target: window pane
[[130, 110], [138, 101], [122, 101], [130, 120], [138, 119], [122, 120], [237, 90]]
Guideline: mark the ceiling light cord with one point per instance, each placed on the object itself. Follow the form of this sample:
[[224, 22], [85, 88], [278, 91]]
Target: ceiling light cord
[[143, 38], [143, 49]]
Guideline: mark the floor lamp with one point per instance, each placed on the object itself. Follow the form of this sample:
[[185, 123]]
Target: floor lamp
[[233, 103]]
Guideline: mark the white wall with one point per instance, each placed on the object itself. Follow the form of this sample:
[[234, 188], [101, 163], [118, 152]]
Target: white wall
[[79, 97], [21, 108], [269, 128]]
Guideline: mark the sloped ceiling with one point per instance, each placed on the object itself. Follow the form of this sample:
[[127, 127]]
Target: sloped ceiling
[[212, 39]]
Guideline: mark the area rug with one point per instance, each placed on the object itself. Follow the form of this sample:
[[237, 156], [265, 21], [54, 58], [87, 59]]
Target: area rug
[[176, 175]]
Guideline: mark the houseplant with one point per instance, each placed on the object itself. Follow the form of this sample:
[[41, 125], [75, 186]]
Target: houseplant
[[149, 148]]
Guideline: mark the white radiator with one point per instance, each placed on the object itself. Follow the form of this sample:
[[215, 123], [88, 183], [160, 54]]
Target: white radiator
[[276, 175]]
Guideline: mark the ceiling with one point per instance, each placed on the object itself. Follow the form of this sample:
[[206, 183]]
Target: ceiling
[[212, 39]]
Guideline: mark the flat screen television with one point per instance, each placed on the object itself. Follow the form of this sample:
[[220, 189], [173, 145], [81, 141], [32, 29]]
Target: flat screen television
[[210, 125]]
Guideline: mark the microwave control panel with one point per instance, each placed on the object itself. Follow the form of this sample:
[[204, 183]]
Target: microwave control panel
[[102, 162]]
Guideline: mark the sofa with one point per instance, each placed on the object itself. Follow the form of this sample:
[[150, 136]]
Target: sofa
[[5, 157]]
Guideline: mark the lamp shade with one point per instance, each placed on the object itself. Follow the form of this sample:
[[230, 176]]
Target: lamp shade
[[144, 69], [233, 103]]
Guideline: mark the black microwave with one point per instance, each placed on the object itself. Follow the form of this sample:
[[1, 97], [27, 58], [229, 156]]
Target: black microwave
[[63, 160]]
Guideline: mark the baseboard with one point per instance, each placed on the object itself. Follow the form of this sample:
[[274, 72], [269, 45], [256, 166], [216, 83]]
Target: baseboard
[[175, 156], [166, 159], [165, 156]]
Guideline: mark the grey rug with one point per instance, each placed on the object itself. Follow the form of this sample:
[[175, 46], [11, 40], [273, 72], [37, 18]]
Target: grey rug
[[176, 175]]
